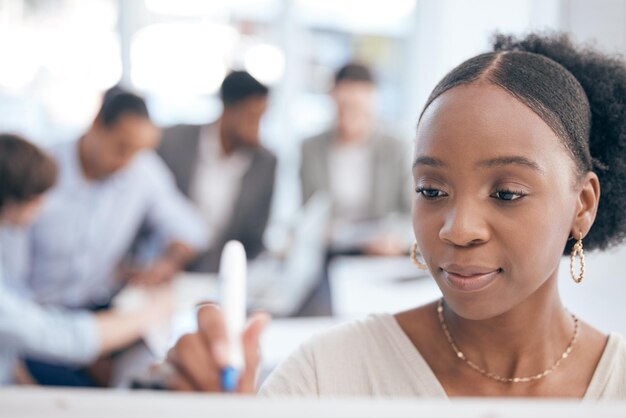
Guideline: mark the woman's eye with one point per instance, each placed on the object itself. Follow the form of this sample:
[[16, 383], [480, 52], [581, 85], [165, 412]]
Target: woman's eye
[[508, 195], [430, 193]]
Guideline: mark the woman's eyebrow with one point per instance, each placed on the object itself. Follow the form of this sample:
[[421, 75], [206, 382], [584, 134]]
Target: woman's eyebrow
[[429, 161], [509, 160], [490, 163]]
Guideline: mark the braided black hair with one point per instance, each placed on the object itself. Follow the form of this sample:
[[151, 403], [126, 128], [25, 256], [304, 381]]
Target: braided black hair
[[577, 91]]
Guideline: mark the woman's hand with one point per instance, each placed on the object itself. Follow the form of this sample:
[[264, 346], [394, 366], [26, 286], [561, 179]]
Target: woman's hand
[[198, 358]]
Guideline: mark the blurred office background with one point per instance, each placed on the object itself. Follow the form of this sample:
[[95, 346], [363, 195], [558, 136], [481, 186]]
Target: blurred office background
[[59, 56]]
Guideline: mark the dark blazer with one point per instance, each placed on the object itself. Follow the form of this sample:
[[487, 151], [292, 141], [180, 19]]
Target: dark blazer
[[179, 150]]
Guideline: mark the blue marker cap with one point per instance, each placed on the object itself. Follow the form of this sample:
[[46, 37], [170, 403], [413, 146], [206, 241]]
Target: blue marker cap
[[229, 377]]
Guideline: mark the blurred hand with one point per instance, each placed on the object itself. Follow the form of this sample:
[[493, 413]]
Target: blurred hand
[[134, 314], [160, 301], [197, 359], [161, 271]]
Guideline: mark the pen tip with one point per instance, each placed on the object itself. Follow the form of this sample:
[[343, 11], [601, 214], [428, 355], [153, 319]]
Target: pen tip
[[229, 377]]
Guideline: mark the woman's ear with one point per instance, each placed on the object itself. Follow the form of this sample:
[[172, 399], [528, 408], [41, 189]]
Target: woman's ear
[[587, 205]]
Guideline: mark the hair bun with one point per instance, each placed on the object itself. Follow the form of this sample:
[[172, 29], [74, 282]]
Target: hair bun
[[603, 79]]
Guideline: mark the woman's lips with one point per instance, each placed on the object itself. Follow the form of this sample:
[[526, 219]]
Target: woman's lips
[[470, 279]]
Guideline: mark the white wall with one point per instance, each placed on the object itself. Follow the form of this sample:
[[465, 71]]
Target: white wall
[[599, 21], [601, 298]]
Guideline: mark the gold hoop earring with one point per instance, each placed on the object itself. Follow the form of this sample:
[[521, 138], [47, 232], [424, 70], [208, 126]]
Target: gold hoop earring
[[420, 265], [577, 251]]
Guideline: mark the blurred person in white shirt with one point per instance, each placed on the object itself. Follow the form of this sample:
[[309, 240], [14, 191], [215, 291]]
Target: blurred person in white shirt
[[362, 168]]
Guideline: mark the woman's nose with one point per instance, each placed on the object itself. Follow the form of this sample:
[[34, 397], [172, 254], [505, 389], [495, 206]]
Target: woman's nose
[[464, 225]]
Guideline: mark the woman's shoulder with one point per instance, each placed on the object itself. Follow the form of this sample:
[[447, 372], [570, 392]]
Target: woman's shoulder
[[356, 339], [354, 329], [375, 337], [609, 379], [615, 353], [616, 346], [344, 359]]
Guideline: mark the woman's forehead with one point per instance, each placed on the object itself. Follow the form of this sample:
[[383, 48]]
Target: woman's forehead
[[479, 121]]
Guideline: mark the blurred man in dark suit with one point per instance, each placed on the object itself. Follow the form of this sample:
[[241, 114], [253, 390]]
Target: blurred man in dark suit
[[224, 170]]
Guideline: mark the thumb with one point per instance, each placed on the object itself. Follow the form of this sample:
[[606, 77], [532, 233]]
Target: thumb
[[251, 351]]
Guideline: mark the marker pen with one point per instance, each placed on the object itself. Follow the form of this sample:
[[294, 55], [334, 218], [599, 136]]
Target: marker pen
[[233, 301]]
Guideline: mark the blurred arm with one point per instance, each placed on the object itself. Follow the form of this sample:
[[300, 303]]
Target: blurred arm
[[54, 334], [174, 219]]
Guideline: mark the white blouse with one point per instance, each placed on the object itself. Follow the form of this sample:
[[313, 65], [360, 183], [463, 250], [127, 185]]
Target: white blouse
[[375, 358]]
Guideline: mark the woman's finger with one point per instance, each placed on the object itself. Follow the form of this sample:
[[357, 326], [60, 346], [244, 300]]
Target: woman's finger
[[212, 328], [193, 359], [252, 353]]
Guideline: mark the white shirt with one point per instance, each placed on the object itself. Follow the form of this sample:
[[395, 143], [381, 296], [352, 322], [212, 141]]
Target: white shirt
[[86, 227], [216, 183], [350, 176]]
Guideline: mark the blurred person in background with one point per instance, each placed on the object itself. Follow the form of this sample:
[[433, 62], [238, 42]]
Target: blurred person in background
[[362, 168], [51, 334], [110, 183], [225, 171]]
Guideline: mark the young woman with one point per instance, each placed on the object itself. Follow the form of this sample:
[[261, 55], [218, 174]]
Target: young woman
[[512, 147], [28, 329]]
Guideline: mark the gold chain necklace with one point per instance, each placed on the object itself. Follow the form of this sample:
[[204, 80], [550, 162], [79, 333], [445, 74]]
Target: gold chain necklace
[[490, 375]]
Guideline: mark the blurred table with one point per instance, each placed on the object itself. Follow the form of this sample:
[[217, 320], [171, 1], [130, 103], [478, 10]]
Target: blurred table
[[281, 337], [362, 285], [101, 403]]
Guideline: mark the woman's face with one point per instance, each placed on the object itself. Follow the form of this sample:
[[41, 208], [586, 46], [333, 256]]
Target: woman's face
[[495, 202]]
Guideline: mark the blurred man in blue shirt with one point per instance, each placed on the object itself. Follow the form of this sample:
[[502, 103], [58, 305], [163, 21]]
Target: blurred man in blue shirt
[[46, 333], [225, 170], [110, 184]]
